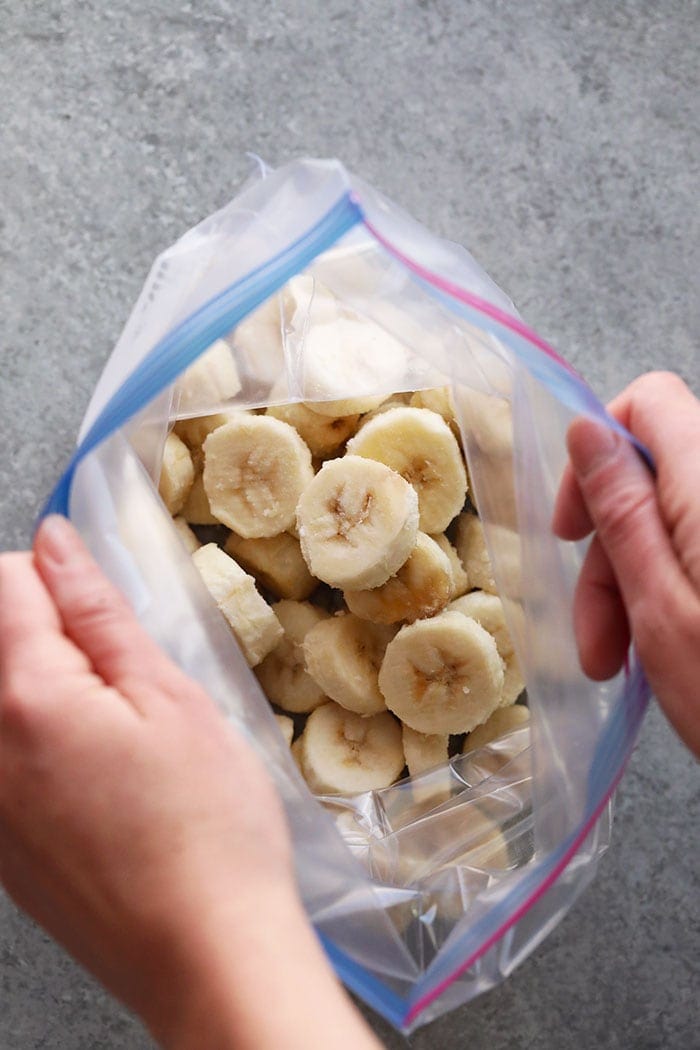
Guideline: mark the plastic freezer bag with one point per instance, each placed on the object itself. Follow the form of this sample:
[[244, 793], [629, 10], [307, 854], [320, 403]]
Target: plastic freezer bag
[[432, 890]]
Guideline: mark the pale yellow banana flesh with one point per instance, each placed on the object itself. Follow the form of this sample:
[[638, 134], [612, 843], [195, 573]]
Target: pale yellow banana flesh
[[322, 433], [276, 562], [460, 579], [423, 751], [196, 509], [422, 587], [195, 430], [176, 474], [212, 378], [470, 545], [282, 674], [357, 523], [286, 728], [186, 535], [255, 470], [343, 753], [419, 445], [343, 656], [250, 617], [498, 724], [442, 675], [487, 609]]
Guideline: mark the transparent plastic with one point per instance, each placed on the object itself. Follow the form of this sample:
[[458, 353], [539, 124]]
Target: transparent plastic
[[430, 891]]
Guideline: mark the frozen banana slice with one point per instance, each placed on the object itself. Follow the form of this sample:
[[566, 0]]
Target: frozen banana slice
[[255, 469], [251, 619], [276, 562], [282, 674], [186, 535], [196, 509], [196, 430], [212, 378], [323, 434], [357, 522], [286, 728], [438, 399], [422, 587], [343, 656], [460, 580], [498, 724], [442, 675], [423, 751], [342, 753], [176, 473], [419, 445], [487, 610], [470, 545]]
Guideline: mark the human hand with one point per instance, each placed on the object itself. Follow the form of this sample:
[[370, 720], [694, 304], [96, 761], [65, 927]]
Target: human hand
[[641, 574], [136, 825]]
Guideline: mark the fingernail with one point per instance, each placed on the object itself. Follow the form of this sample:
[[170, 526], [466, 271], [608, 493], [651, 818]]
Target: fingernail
[[56, 537], [590, 444]]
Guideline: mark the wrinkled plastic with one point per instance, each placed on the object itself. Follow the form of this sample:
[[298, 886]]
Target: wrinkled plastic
[[430, 891]]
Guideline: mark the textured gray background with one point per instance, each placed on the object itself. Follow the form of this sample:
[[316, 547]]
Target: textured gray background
[[557, 140]]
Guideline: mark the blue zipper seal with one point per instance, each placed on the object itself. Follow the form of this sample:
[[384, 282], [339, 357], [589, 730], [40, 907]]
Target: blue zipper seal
[[188, 340]]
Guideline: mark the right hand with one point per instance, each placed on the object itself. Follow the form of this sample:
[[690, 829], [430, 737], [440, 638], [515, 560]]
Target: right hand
[[641, 575]]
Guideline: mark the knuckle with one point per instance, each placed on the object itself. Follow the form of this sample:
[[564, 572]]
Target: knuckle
[[619, 508], [95, 608]]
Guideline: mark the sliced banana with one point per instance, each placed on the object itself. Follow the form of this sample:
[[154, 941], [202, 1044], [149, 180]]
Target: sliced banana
[[255, 469], [176, 473], [487, 609], [343, 656], [438, 399], [212, 378], [343, 753], [186, 535], [282, 674], [196, 430], [419, 445], [276, 562], [423, 751], [196, 509], [498, 724], [422, 587], [323, 434], [460, 579], [470, 544], [251, 619], [286, 728], [442, 675], [357, 522]]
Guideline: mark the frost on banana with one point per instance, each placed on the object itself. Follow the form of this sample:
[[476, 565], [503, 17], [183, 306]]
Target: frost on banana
[[343, 656], [250, 617], [487, 609]]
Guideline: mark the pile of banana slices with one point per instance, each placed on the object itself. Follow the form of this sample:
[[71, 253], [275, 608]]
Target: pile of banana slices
[[354, 574]]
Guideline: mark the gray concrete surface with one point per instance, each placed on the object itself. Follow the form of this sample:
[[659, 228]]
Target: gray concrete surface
[[559, 141]]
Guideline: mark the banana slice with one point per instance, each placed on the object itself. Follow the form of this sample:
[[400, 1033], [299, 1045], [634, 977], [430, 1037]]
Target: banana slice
[[251, 619], [322, 433], [176, 473], [282, 674], [460, 579], [344, 754], [423, 751], [442, 675], [498, 724], [255, 469], [212, 378], [276, 562], [470, 544], [196, 430], [186, 535], [196, 509], [438, 399], [286, 728], [343, 656], [487, 610], [420, 446], [422, 587], [357, 521]]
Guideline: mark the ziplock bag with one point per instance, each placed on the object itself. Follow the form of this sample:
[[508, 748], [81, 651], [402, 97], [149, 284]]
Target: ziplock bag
[[428, 892]]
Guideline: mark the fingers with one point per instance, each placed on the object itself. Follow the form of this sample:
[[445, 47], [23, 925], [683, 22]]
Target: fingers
[[96, 617], [571, 520], [600, 620]]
